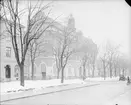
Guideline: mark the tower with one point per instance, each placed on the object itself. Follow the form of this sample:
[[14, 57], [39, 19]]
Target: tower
[[71, 22]]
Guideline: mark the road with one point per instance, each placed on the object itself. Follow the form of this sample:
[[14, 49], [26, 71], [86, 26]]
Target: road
[[94, 95]]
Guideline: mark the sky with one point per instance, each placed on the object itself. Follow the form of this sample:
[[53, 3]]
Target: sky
[[100, 20]]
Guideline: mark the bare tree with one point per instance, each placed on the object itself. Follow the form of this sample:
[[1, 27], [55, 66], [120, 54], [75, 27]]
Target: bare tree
[[112, 50], [89, 52], [36, 26], [63, 48], [104, 59], [108, 57], [93, 57], [99, 66], [57, 60], [116, 65], [36, 49], [85, 61]]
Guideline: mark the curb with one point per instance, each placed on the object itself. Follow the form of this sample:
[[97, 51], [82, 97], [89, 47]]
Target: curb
[[41, 92]]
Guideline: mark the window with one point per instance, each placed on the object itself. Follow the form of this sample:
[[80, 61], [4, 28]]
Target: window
[[8, 51], [8, 71]]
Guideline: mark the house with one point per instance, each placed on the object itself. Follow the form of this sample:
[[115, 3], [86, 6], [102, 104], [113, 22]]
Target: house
[[9, 70]]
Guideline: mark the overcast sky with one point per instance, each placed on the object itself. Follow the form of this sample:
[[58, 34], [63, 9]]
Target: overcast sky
[[99, 19]]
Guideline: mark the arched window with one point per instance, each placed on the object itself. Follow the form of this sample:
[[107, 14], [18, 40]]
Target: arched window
[[7, 71], [43, 67]]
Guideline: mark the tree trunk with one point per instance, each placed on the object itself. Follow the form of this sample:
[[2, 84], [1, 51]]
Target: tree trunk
[[84, 72], [110, 70], [93, 70], [115, 72], [32, 64], [88, 71], [62, 75], [104, 68], [22, 75], [104, 72]]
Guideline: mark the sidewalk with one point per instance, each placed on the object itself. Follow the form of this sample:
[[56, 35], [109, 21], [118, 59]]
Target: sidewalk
[[51, 88], [14, 86], [100, 79]]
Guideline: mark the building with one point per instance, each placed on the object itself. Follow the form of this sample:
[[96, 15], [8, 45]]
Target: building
[[9, 69], [45, 66]]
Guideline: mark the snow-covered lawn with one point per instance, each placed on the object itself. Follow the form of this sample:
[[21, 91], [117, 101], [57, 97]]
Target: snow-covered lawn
[[102, 79], [14, 86]]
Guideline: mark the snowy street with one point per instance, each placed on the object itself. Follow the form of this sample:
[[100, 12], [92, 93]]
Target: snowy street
[[107, 93]]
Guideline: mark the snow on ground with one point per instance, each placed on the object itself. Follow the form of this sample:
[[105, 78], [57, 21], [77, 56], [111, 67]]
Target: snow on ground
[[94, 95], [14, 86], [124, 99], [102, 79]]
